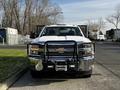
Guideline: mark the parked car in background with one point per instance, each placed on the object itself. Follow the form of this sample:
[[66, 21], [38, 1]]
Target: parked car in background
[[101, 37]]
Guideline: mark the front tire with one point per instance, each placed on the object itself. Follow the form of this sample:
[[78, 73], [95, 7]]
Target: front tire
[[35, 74], [84, 74], [87, 76]]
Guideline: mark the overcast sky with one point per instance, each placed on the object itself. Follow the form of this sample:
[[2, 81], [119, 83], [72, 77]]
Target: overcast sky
[[78, 11]]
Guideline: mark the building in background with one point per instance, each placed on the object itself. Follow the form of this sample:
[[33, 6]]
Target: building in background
[[113, 34], [9, 36]]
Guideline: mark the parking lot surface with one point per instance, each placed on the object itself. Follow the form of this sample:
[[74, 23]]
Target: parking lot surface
[[106, 74]]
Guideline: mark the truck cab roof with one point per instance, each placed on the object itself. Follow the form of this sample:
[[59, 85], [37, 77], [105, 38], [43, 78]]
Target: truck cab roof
[[62, 25]]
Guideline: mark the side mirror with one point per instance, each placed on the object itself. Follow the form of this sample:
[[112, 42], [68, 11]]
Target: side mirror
[[32, 35]]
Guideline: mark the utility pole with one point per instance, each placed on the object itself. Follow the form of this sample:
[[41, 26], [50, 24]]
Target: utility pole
[[1, 21]]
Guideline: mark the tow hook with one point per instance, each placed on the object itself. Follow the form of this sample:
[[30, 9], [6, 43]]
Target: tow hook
[[39, 66]]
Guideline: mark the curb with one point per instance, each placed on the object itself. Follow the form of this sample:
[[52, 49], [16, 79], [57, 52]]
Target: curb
[[111, 42], [11, 80]]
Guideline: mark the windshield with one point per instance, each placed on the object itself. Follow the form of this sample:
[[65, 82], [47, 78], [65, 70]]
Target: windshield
[[61, 31]]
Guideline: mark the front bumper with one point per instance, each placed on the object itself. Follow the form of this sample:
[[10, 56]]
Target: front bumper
[[84, 64], [87, 64]]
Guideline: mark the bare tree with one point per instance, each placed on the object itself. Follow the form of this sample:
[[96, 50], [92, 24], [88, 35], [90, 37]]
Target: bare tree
[[55, 14], [10, 13], [95, 26], [26, 14], [16, 14], [42, 13], [101, 24], [92, 26], [115, 18]]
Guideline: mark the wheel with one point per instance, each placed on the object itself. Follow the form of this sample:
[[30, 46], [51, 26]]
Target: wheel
[[87, 74], [84, 74], [35, 74]]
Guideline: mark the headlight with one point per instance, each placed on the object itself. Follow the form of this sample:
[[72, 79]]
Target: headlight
[[35, 49], [86, 49]]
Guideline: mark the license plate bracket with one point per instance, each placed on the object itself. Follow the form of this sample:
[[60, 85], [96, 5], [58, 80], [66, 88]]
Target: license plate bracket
[[61, 67]]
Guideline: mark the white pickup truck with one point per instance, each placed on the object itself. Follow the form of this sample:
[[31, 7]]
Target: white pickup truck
[[61, 48]]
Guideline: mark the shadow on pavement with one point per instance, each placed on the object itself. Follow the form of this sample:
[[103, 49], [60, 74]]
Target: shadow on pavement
[[44, 79]]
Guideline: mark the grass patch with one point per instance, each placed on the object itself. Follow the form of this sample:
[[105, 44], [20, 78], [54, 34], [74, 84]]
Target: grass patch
[[11, 60], [12, 53]]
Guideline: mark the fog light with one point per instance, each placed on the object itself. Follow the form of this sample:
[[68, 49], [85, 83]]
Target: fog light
[[72, 66], [50, 66]]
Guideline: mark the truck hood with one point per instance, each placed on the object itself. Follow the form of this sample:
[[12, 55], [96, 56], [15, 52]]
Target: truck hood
[[61, 38]]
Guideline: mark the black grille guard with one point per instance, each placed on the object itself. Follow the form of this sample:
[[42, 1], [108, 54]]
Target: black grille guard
[[70, 42], [45, 54]]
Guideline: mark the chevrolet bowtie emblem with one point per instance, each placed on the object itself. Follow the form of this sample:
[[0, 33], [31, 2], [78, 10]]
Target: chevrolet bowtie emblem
[[60, 50]]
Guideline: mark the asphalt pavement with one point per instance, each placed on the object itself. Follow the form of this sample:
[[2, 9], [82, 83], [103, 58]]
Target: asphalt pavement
[[108, 55], [106, 74]]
